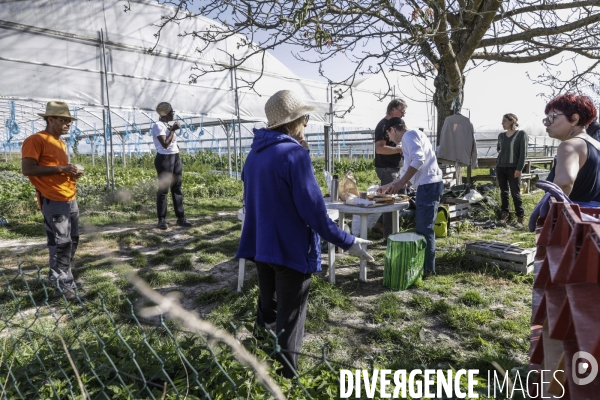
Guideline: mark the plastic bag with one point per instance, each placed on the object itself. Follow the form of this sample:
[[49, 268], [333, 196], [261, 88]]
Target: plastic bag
[[357, 201], [372, 190], [348, 185], [473, 196]]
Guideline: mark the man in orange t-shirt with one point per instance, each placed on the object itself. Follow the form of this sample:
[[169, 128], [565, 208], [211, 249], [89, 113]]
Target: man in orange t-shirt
[[45, 162]]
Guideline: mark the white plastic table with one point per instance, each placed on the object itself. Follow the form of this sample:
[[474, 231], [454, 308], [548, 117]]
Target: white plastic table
[[364, 212]]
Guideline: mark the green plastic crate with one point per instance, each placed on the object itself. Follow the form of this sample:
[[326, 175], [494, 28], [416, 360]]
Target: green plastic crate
[[404, 260]]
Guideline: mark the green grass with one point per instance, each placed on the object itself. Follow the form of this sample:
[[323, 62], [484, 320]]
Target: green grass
[[388, 307], [467, 319], [183, 262], [472, 298], [159, 279], [466, 316], [213, 296], [139, 260], [323, 299]]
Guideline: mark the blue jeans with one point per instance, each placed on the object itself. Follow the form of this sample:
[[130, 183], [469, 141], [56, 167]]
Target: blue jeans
[[428, 199]]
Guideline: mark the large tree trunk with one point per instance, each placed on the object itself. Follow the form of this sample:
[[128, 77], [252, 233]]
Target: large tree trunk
[[444, 97]]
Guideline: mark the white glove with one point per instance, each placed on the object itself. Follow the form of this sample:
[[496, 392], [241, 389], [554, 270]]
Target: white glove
[[359, 249]]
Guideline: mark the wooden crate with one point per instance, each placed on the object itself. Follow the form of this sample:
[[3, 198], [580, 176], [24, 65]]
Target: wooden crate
[[458, 209], [503, 254], [447, 169]]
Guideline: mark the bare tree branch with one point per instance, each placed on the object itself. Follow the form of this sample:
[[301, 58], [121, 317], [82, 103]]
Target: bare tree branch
[[424, 38], [167, 305], [545, 7], [531, 33]]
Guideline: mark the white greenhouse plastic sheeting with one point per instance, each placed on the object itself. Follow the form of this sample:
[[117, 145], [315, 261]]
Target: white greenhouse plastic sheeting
[[51, 50]]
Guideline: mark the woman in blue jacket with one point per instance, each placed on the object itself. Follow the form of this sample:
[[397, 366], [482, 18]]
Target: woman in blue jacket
[[285, 215]]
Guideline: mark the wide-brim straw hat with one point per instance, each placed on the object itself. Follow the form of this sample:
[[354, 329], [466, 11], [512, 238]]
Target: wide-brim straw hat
[[57, 109], [285, 106]]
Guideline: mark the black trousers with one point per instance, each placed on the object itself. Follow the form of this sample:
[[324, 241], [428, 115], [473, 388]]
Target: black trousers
[[169, 170], [387, 175], [282, 307], [506, 180]]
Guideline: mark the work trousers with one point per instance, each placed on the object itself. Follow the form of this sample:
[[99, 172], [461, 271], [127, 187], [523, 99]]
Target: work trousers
[[386, 175], [169, 170], [282, 307], [427, 202], [61, 220], [506, 179]]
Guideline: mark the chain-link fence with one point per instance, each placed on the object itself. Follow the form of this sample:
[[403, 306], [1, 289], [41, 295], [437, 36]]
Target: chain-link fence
[[56, 348]]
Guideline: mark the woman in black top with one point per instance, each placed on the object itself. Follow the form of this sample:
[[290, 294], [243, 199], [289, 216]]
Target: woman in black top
[[577, 167], [512, 151]]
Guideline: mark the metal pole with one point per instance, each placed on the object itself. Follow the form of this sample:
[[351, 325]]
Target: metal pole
[[112, 155], [228, 148], [106, 149], [237, 111], [329, 137], [327, 143], [234, 87], [337, 137], [124, 153]]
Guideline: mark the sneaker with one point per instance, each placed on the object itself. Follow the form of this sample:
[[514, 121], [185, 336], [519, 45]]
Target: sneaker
[[183, 222], [162, 224], [377, 228]]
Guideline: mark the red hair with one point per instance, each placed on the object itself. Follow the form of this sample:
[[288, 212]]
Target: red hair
[[570, 104]]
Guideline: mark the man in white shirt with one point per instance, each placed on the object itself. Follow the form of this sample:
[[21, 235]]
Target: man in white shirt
[[168, 166], [421, 169]]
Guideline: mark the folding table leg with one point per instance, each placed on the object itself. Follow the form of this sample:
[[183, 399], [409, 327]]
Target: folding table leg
[[241, 271], [363, 234], [331, 252], [395, 221]]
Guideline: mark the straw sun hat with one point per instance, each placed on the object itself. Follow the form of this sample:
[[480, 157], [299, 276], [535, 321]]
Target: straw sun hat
[[57, 109], [285, 106]]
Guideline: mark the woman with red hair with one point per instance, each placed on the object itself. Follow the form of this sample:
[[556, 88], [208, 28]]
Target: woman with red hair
[[577, 167]]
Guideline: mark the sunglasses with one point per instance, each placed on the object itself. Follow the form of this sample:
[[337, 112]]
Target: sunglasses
[[306, 118], [550, 118], [65, 121]]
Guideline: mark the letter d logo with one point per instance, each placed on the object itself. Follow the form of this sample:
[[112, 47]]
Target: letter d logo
[[588, 363]]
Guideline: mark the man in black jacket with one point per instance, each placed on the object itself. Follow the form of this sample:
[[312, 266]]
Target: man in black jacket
[[387, 159]]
